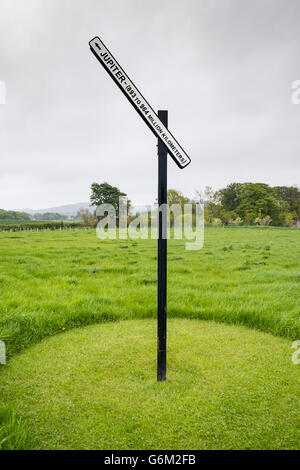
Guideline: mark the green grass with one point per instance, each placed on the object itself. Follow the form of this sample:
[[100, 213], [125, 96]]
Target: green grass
[[228, 387], [51, 282], [13, 434]]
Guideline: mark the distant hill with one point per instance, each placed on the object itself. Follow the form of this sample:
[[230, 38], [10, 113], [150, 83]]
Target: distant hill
[[72, 209], [68, 209]]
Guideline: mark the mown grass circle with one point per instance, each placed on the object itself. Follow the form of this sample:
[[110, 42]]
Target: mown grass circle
[[228, 387]]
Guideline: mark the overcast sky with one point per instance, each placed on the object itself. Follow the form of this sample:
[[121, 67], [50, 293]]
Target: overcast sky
[[223, 69]]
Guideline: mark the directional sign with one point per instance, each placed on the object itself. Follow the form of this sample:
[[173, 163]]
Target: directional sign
[[138, 102]]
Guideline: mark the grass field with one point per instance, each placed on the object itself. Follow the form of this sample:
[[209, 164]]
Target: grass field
[[51, 282]]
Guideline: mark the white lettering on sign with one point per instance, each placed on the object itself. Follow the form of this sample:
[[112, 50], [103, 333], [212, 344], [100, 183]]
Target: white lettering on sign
[[139, 103]]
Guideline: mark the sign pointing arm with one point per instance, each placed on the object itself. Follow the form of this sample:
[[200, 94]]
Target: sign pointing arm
[[139, 102]]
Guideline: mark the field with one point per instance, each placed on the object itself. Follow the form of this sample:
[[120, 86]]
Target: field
[[54, 281]]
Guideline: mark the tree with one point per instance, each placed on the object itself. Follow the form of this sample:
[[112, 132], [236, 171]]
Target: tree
[[210, 196], [106, 194], [176, 197], [250, 201], [86, 218], [212, 206], [289, 201], [229, 196], [48, 216]]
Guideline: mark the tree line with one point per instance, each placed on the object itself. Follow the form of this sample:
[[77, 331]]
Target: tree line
[[23, 216], [236, 204], [253, 204], [13, 215]]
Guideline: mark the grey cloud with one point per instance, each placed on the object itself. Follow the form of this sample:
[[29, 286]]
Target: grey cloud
[[223, 69]]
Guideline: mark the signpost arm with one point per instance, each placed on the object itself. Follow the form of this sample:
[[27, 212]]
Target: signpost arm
[[162, 256]]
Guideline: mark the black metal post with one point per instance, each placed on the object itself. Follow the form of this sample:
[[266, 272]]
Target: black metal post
[[162, 256]]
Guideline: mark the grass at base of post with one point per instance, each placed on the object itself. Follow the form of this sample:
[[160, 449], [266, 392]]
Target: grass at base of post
[[228, 387]]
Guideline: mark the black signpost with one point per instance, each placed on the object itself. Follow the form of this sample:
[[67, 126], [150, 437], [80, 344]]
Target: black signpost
[[162, 256], [167, 144]]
